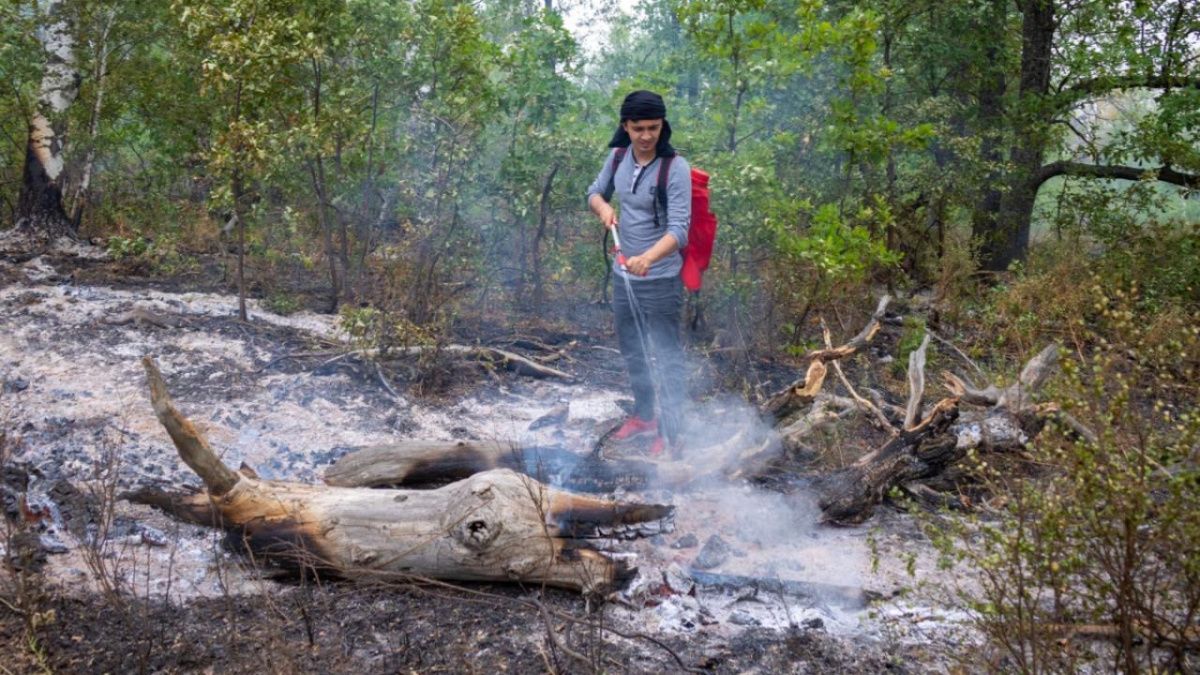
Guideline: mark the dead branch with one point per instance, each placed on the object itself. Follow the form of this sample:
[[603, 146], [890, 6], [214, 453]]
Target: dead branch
[[916, 383], [802, 392], [193, 448], [514, 362], [880, 420]]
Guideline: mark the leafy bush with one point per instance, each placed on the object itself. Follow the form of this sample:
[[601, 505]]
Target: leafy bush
[[124, 248], [282, 304], [160, 255], [1096, 559]]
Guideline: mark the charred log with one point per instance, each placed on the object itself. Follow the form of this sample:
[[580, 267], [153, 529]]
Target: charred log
[[494, 526], [816, 593], [430, 463], [849, 495]]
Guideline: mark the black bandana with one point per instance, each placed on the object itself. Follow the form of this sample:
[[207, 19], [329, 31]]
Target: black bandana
[[644, 105]]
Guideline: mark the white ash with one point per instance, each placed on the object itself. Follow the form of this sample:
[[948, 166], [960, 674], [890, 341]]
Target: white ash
[[86, 396]]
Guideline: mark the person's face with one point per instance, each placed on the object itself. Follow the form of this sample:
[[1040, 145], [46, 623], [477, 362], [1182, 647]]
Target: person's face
[[644, 133]]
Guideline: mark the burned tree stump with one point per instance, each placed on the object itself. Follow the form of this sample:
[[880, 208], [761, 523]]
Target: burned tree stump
[[494, 526]]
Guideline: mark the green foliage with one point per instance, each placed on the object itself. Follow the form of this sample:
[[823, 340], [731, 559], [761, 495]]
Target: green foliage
[[122, 248], [912, 334], [849, 143], [282, 304], [840, 251], [159, 256], [1106, 533]]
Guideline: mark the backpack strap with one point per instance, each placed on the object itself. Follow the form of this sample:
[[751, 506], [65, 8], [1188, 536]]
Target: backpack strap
[[664, 172], [618, 157]]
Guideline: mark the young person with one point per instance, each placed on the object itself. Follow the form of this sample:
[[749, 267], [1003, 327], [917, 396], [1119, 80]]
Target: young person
[[647, 291]]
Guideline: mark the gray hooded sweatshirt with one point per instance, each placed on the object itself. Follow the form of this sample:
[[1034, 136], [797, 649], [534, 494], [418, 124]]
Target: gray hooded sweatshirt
[[636, 226]]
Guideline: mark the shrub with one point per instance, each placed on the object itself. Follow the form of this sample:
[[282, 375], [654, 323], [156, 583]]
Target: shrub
[[1096, 556]]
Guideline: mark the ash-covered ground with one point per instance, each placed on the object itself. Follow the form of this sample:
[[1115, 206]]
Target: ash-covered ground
[[81, 430]]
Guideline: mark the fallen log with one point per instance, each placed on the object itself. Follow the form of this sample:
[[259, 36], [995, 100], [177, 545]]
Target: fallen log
[[814, 592], [425, 463], [494, 526]]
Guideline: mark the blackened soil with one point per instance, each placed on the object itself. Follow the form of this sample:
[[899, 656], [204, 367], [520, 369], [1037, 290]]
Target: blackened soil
[[346, 628]]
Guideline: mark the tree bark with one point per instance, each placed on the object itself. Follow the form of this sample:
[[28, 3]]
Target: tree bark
[[100, 76], [1165, 174], [493, 526], [539, 292], [40, 209], [423, 463], [1008, 239], [990, 121]]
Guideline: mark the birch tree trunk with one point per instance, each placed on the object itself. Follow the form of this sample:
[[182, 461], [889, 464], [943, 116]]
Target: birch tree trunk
[[40, 205]]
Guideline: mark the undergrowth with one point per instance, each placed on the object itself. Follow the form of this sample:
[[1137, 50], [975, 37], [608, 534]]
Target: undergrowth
[[1090, 554]]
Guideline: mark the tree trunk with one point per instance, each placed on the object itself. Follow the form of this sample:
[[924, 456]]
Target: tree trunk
[[40, 204], [316, 169], [539, 291], [239, 213], [494, 526], [80, 195], [991, 115], [1008, 240]]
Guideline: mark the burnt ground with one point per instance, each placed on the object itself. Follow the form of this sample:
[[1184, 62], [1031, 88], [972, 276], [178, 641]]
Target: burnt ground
[[71, 397], [343, 628]]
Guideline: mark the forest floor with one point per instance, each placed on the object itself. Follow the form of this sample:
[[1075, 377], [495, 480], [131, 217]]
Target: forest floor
[[81, 431]]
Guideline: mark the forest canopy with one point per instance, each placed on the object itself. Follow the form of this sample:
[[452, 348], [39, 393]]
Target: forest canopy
[[887, 141]]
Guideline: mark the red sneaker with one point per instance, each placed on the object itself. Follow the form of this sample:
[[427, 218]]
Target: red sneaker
[[659, 447], [634, 427]]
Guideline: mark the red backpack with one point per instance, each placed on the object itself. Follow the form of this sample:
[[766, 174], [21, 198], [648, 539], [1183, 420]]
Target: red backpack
[[702, 232]]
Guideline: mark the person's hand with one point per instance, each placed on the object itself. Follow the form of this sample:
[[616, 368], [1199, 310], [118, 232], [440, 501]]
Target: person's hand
[[608, 215], [638, 265]]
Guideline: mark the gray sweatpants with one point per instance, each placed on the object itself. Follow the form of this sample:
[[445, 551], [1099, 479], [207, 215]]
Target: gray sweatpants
[[648, 334]]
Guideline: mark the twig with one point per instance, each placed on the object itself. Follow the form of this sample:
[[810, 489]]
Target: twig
[[337, 358], [862, 402], [555, 613], [293, 355], [386, 384], [958, 351], [554, 642]]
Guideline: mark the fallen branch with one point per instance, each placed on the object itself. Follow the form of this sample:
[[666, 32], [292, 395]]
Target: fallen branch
[[916, 384], [880, 420], [802, 392], [514, 362]]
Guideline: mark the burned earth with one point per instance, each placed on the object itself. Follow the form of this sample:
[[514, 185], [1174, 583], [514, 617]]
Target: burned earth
[[744, 577]]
